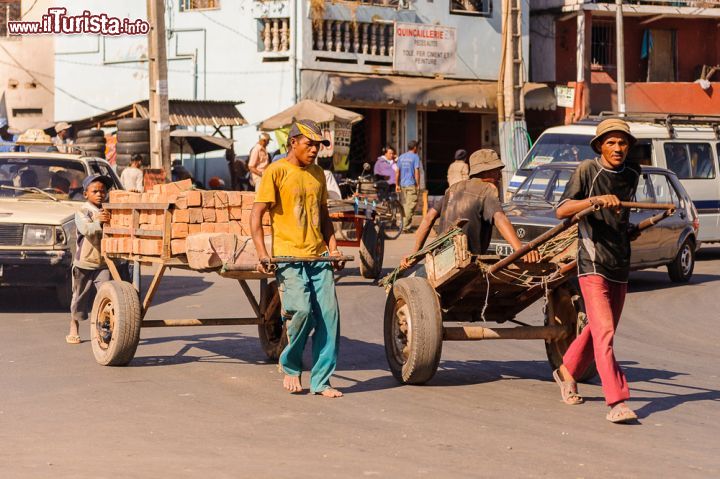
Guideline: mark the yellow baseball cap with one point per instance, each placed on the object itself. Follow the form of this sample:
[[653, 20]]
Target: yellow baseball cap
[[308, 129]]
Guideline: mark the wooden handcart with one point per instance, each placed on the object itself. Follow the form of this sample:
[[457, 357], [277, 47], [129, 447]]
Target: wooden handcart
[[119, 313], [368, 234], [461, 287]]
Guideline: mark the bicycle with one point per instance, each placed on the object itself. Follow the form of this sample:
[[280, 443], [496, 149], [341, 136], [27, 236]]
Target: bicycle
[[384, 200]]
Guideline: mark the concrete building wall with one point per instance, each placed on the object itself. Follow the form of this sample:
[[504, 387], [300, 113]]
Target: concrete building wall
[[27, 74], [478, 37], [212, 54]]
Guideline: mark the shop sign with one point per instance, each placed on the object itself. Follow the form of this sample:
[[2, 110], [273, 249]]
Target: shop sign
[[565, 96], [427, 49]]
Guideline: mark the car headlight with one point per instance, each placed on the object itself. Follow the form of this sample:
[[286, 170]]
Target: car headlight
[[36, 235]]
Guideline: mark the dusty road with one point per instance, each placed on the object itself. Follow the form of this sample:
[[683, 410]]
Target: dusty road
[[202, 402]]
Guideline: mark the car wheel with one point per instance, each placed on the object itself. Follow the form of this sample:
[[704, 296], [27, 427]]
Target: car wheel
[[681, 269]]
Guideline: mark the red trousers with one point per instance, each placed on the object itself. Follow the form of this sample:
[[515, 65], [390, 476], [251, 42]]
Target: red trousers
[[604, 302]]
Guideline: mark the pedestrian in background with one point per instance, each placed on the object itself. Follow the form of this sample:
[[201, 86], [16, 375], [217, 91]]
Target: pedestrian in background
[[259, 159], [63, 139], [132, 176], [603, 261], [89, 270], [458, 169], [385, 166], [407, 181]]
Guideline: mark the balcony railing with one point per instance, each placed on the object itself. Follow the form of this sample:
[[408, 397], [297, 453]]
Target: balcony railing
[[358, 38], [275, 35]]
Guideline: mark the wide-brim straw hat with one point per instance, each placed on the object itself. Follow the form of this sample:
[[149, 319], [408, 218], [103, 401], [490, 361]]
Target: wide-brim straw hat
[[608, 126], [484, 160]]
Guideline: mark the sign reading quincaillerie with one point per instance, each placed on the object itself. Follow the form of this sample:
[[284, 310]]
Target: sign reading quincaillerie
[[424, 48]]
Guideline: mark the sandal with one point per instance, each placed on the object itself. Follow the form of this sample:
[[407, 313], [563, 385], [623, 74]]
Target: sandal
[[568, 390], [72, 339], [621, 414]]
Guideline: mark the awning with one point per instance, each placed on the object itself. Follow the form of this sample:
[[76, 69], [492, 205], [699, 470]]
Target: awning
[[186, 141], [310, 109], [182, 113], [389, 90]]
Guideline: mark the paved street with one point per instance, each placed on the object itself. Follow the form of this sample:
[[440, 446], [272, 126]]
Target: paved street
[[203, 402]]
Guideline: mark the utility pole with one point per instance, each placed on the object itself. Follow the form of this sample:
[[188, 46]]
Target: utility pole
[[620, 56], [158, 98], [510, 94]]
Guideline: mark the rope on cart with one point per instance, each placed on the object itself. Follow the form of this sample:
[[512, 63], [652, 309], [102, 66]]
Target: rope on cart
[[397, 273]]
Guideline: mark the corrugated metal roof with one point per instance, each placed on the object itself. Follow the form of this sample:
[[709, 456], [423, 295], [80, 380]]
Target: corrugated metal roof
[[182, 113], [199, 113]]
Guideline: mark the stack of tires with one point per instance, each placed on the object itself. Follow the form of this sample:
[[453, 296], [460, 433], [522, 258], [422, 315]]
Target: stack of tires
[[133, 136], [91, 143]]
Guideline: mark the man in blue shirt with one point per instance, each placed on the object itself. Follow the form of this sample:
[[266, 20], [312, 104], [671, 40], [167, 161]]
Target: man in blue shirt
[[407, 179]]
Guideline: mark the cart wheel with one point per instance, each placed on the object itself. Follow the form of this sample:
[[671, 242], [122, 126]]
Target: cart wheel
[[272, 331], [115, 323], [372, 250], [566, 308], [413, 331]]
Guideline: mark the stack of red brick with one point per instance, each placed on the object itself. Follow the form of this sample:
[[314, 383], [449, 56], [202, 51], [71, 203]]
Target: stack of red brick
[[190, 212]]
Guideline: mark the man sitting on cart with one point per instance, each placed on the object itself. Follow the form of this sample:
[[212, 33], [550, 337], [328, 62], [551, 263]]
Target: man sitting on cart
[[294, 191], [603, 262], [477, 201]]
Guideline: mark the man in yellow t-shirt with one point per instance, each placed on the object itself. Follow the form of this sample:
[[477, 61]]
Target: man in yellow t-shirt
[[293, 190]]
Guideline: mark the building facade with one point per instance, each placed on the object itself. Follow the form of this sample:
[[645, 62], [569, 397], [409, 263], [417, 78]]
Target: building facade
[[27, 69], [270, 54], [671, 54]]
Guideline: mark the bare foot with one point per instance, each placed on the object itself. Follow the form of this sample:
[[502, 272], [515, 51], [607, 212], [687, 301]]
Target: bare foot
[[330, 393], [292, 383], [74, 327]]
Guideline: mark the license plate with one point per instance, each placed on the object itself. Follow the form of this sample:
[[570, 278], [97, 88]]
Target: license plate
[[504, 250]]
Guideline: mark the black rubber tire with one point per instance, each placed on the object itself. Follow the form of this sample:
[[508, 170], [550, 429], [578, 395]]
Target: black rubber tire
[[133, 124], [91, 133], [133, 147], [124, 159], [63, 292], [97, 146], [414, 359], [393, 229], [91, 140], [566, 308], [682, 267], [372, 250], [115, 323], [273, 331], [132, 136]]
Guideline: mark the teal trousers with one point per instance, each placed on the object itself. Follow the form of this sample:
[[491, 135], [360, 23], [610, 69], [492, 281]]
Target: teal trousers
[[309, 304]]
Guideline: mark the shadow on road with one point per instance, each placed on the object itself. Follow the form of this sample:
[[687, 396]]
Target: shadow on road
[[663, 379], [176, 286], [707, 253], [655, 280], [30, 300]]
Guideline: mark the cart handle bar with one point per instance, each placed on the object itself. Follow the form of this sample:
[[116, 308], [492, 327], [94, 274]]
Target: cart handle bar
[[271, 264], [567, 223]]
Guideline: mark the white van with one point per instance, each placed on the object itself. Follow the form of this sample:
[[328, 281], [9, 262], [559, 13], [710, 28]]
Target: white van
[[688, 145]]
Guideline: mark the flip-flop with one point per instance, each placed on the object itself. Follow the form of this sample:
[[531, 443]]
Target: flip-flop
[[72, 339], [621, 414], [568, 390]]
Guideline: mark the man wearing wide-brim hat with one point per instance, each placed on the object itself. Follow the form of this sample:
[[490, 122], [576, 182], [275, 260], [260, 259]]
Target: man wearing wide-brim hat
[[477, 200], [603, 263]]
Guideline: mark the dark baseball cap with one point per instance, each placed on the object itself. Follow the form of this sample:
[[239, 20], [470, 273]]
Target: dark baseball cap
[[308, 129], [105, 180], [460, 154]]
